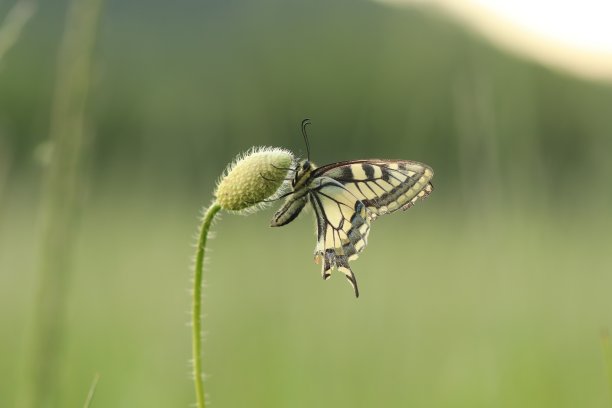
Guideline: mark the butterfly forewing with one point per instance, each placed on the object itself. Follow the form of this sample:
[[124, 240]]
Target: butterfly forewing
[[290, 210], [383, 186]]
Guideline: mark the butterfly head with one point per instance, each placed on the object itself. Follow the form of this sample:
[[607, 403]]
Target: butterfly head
[[302, 173]]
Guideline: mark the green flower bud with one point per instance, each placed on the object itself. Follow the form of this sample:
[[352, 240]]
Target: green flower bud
[[252, 178]]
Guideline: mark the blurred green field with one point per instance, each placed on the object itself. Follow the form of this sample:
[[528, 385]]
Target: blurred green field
[[498, 310], [491, 293]]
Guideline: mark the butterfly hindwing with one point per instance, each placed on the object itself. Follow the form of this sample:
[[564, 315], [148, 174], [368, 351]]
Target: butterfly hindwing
[[343, 225]]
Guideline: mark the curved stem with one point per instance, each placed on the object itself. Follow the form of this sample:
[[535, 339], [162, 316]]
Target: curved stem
[[196, 315]]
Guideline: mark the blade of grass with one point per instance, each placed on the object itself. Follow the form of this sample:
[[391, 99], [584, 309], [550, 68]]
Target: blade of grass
[[13, 24], [61, 196], [92, 391]]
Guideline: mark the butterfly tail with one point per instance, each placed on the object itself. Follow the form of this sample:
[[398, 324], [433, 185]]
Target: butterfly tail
[[343, 266], [330, 260]]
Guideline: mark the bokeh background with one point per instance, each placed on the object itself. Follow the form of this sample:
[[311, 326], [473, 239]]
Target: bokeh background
[[492, 293]]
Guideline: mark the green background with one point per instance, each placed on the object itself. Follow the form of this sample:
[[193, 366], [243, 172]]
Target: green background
[[491, 293]]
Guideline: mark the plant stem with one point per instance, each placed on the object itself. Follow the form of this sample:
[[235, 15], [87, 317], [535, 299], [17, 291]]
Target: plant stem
[[196, 315]]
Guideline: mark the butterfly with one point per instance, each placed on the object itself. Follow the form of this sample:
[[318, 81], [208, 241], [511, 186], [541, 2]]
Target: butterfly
[[346, 197]]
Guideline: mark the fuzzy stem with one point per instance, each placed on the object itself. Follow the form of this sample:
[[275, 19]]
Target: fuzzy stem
[[196, 314]]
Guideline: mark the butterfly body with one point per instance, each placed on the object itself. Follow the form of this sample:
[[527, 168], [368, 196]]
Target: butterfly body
[[346, 197]]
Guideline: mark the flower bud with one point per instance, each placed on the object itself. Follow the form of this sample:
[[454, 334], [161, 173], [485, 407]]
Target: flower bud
[[252, 178]]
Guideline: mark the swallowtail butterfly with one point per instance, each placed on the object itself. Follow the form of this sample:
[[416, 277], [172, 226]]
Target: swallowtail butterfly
[[346, 197]]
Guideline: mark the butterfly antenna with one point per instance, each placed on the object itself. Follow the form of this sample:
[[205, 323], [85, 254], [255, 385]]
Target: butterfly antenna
[[306, 122]]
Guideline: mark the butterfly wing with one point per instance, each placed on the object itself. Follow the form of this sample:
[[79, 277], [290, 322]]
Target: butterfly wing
[[347, 196], [343, 224], [384, 186], [290, 210]]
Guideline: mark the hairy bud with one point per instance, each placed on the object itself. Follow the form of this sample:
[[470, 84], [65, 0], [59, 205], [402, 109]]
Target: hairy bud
[[252, 178]]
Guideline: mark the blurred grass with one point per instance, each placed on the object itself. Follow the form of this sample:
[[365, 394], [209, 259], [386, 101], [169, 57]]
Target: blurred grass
[[13, 23], [175, 81], [453, 312], [60, 204]]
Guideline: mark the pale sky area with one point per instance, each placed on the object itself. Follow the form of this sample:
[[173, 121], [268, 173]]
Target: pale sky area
[[585, 23], [574, 36]]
